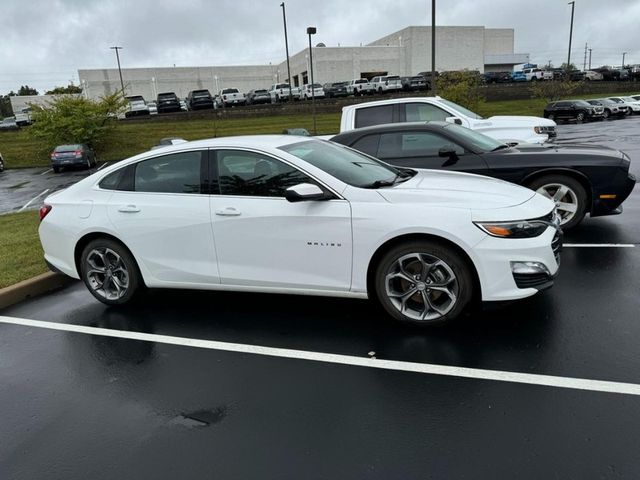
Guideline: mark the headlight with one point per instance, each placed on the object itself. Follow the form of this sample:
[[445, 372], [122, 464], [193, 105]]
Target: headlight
[[518, 229], [548, 130]]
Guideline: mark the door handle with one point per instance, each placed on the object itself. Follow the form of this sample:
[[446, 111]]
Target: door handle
[[228, 212], [128, 209]]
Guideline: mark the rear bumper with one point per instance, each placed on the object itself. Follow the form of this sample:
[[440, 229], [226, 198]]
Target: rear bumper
[[67, 162]]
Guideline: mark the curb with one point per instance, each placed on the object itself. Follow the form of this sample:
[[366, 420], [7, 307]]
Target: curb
[[32, 287]]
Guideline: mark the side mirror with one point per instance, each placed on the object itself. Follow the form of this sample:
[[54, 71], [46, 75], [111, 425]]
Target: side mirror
[[455, 120], [304, 192], [448, 151]]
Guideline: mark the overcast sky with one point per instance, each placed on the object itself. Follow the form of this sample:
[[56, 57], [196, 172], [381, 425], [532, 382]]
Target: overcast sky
[[44, 42]]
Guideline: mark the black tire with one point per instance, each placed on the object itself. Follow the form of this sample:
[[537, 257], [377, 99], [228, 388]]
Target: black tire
[[551, 116], [606, 114], [133, 272], [574, 185], [56, 169], [356, 93], [464, 286], [580, 117]]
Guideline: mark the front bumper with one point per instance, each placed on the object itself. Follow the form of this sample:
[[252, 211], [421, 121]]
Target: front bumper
[[495, 264], [621, 185]]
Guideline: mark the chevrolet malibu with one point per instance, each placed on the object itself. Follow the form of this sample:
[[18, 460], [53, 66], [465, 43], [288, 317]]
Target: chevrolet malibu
[[284, 214]]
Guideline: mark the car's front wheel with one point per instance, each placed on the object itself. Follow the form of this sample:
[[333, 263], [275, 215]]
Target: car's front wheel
[[568, 194], [109, 271], [423, 282]]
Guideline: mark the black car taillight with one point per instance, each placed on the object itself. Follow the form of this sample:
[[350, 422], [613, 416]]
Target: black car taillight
[[44, 211]]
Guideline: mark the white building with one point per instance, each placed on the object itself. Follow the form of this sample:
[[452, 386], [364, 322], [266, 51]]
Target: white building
[[405, 52]]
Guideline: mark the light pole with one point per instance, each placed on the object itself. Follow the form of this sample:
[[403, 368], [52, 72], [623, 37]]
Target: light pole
[[623, 55], [311, 31], [116, 48], [573, 6], [590, 58], [286, 46], [433, 48]]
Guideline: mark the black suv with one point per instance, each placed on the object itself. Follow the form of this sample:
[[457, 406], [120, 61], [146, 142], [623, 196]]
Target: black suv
[[496, 77], [577, 110], [198, 99], [168, 102], [338, 89]]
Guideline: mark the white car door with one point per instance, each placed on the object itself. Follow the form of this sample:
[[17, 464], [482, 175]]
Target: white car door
[[165, 220], [264, 240]]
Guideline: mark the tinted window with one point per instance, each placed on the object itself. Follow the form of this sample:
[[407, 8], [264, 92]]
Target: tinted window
[[366, 117], [413, 144], [562, 104], [175, 173], [424, 112], [368, 144], [254, 175], [111, 181]]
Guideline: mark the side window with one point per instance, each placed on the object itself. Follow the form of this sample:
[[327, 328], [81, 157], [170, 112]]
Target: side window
[[253, 175], [174, 173], [368, 144], [121, 179], [424, 112], [413, 144], [369, 116]]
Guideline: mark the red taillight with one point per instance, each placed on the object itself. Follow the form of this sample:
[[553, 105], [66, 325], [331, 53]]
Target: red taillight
[[78, 152], [44, 211]]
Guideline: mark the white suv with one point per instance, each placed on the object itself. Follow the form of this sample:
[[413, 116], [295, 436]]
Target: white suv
[[387, 83], [318, 91], [279, 92], [509, 128]]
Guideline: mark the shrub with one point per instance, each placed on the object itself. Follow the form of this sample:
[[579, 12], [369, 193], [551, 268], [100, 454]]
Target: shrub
[[461, 87], [553, 90]]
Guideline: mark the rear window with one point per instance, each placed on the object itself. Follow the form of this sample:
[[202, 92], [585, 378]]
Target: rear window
[[366, 117], [67, 148], [230, 90], [201, 93], [166, 95], [260, 91]]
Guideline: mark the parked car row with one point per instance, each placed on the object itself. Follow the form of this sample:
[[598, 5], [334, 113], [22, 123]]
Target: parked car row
[[593, 109]]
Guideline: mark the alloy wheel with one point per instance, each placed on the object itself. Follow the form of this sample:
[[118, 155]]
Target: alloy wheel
[[422, 286], [565, 199], [106, 273]]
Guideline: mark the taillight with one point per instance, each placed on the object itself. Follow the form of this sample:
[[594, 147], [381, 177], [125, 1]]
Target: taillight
[[44, 211], [78, 153]]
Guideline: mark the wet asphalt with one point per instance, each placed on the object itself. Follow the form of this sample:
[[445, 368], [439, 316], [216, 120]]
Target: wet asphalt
[[87, 406]]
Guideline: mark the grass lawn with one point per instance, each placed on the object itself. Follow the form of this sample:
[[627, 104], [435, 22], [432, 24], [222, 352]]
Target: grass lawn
[[21, 255]]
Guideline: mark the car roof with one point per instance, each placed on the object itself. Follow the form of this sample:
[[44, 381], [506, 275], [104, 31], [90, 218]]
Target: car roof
[[392, 101], [394, 127], [250, 141]]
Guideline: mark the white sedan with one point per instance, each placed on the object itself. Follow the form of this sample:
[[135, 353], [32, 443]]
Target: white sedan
[[288, 214]]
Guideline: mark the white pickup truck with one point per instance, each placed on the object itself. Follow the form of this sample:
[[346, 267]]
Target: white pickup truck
[[532, 74], [511, 128], [360, 86], [279, 92], [231, 96]]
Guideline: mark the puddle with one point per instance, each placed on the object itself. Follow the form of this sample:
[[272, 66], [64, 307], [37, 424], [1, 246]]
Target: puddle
[[201, 418], [19, 185]]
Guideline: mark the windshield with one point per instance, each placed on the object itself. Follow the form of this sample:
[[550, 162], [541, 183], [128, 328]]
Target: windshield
[[629, 99], [353, 168], [477, 139], [461, 109]]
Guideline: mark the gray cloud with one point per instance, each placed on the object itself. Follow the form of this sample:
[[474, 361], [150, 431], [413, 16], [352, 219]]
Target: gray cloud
[[44, 42]]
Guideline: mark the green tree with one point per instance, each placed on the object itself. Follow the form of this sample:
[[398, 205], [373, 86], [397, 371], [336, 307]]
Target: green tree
[[462, 87], [570, 68], [76, 119], [5, 105], [27, 90], [553, 90], [71, 88]]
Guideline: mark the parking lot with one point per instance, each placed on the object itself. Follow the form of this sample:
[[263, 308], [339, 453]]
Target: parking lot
[[210, 384]]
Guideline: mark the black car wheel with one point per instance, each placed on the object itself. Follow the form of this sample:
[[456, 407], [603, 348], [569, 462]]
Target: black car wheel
[[606, 114], [1, 166], [580, 117], [567, 193], [56, 169], [551, 116], [423, 282], [110, 272]]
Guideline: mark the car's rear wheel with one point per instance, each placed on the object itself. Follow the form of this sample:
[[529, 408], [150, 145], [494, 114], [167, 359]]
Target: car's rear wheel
[[580, 117], [109, 271], [423, 282], [56, 169], [568, 194]]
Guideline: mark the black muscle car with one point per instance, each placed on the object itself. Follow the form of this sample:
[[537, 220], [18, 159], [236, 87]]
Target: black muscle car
[[580, 179]]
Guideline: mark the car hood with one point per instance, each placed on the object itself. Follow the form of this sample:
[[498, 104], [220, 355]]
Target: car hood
[[573, 149], [457, 190], [520, 121]]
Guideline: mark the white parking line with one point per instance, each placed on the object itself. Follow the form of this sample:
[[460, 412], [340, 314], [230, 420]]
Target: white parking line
[[47, 171], [599, 245], [428, 368], [33, 199], [103, 165]]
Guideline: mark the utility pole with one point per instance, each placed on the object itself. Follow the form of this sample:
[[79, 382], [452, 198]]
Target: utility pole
[[312, 31], [116, 48], [573, 6], [623, 55], [433, 48], [590, 58], [286, 46], [584, 64]]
